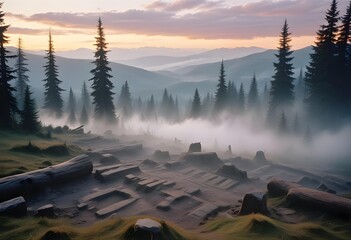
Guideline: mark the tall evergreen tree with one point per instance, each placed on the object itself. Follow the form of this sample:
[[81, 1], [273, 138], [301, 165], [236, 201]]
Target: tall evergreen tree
[[232, 96], [71, 107], [252, 97], [300, 87], [53, 100], [221, 92], [321, 71], [150, 109], [241, 99], [283, 126], [207, 105], [343, 73], [196, 105], [102, 86], [125, 100], [281, 92], [265, 95], [29, 116], [21, 70], [84, 117], [85, 98], [8, 103]]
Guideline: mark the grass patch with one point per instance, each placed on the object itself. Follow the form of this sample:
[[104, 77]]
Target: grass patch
[[18, 156], [256, 226], [114, 228]]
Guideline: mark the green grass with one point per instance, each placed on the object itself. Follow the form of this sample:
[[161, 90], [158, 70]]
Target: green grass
[[17, 161]]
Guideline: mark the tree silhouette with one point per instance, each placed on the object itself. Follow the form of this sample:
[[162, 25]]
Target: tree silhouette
[[321, 72], [241, 99], [102, 86], [71, 107], [21, 70], [232, 97], [53, 102], [85, 98], [283, 126], [125, 100], [84, 117], [221, 92], [8, 103], [29, 116], [281, 92], [252, 97], [196, 105]]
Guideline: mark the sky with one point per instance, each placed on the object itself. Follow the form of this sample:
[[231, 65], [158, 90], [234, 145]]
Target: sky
[[194, 24]]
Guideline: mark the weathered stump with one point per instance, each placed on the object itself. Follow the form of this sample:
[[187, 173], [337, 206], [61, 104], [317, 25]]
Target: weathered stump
[[255, 202], [195, 147]]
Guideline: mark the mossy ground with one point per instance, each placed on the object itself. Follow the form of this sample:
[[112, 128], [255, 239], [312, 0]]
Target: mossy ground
[[14, 161]]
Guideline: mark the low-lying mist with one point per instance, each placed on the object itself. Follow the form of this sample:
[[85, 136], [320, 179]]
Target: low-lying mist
[[244, 134]]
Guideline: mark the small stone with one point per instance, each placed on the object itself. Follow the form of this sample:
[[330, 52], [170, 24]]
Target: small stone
[[82, 206], [46, 211]]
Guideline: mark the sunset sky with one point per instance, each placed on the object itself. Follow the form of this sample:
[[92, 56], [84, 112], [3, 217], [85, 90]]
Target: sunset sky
[[204, 24]]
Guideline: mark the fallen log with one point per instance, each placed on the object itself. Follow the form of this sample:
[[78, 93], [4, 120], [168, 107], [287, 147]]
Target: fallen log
[[303, 197], [26, 183]]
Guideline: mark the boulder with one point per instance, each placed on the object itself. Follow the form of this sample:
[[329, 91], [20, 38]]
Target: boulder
[[324, 188], [149, 163], [55, 235], [15, 207], [203, 159], [255, 202], [260, 157], [108, 159], [230, 171], [46, 211], [195, 147], [277, 187], [173, 165], [147, 229], [161, 155]]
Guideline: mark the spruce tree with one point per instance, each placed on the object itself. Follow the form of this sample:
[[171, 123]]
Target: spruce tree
[[84, 117], [101, 84], [206, 105], [281, 92], [232, 96], [71, 107], [300, 87], [8, 103], [252, 97], [21, 70], [196, 105], [53, 100], [85, 98], [343, 72], [321, 72], [29, 116], [241, 99], [125, 100], [150, 109], [221, 92]]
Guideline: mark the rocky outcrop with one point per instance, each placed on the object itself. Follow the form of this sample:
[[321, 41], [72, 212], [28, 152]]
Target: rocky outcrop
[[205, 159], [255, 202], [161, 155], [195, 147], [147, 229], [230, 171], [15, 207]]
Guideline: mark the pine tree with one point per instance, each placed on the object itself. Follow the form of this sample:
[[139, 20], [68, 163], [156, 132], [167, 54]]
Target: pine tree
[[8, 103], [221, 93], [176, 110], [281, 92], [321, 72], [300, 87], [252, 97], [53, 100], [125, 100], [283, 126], [71, 107], [102, 86], [29, 116], [21, 70], [165, 103], [265, 95], [232, 96], [196, 105], [85, 98], [343, 73], [150, 109], [84, 117], [241, 99]]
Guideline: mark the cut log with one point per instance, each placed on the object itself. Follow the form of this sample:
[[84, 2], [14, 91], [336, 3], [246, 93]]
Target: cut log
[[26, 183], [120, 172], [277, 187]]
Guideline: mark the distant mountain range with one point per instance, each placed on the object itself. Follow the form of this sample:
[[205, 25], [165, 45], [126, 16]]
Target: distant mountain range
[[180, 81]]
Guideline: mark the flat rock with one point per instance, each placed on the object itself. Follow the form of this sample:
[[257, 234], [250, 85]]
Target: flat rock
[[204, 211], [164, 205], [193, 191], [204, 159], [229, 170], [117, 173], [115, 207], [149, 163], [309, 182], [15, 207], [108, 159], [82, 206], [173, 165], [152, 186], [46, 211]]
